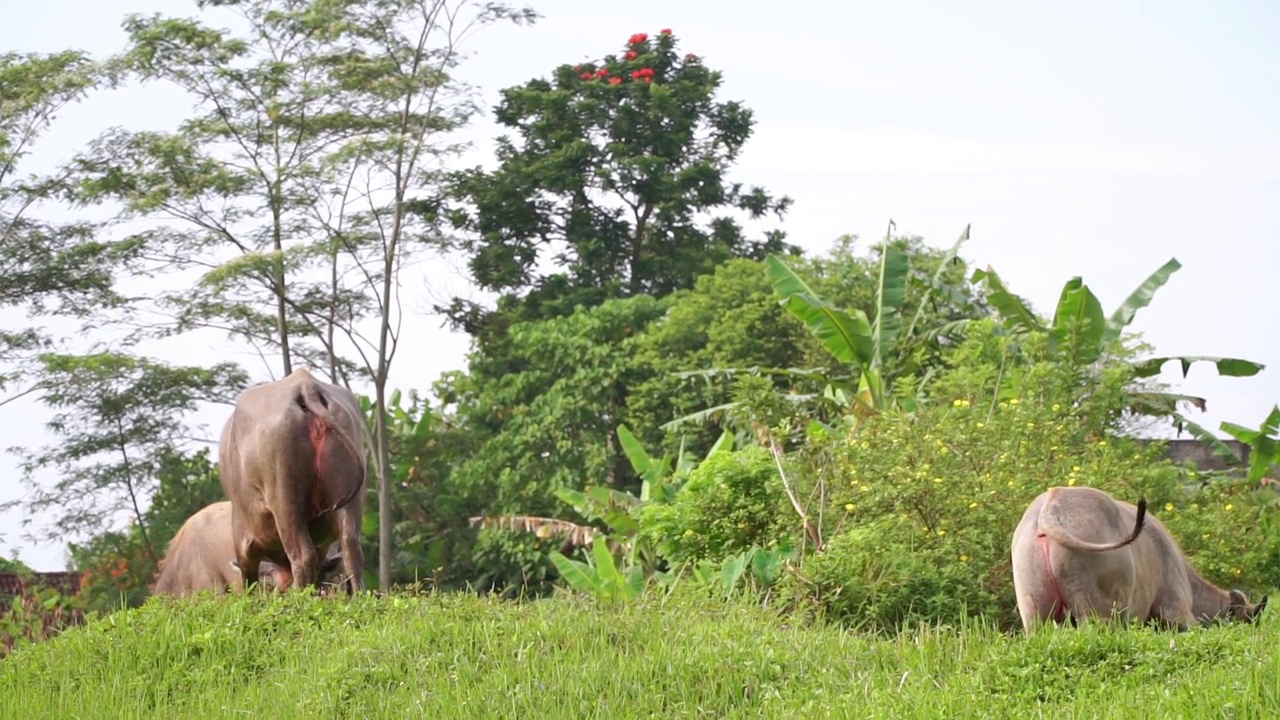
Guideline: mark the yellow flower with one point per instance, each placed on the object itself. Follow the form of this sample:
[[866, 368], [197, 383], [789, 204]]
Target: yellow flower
[[1168, 507], [980, 425], [1102, 443], [1070, 481], [941, 533], [1195, 506], [1075, 468], [688, 533], [1228, 507], [1031, 426], [973, 505], [937, 480], [864, 488], [1235, 571], [1056, 407], [1013, 401], [960, 403], [964, 558], [849, 507]]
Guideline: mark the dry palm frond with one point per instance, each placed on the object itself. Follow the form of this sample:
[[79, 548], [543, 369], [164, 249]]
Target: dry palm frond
[[573, 533]]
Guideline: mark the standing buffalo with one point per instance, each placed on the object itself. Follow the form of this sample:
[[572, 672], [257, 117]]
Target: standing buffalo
[[201, 557], [1072, 557], [293, 463]]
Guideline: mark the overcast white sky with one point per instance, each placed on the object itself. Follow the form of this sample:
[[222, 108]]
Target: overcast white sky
[[1088, 138]]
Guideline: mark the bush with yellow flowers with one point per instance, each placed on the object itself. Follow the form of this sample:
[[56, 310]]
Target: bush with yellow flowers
[[921, 506]]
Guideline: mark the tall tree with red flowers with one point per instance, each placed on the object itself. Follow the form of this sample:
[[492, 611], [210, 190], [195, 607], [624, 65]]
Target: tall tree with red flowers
[[618, 178]]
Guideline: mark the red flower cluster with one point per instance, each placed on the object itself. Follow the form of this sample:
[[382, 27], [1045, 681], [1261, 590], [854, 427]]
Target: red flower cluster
[[632, 55], [637, 39], [664, 31], [601, 73], [643, 75]]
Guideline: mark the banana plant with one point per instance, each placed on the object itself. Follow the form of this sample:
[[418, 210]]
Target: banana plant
[[862, 343], [602, 575], [1080, 332], [1264, 446]]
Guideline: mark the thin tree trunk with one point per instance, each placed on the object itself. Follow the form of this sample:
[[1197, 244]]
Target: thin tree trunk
[[384, 488], [333, 317], [133, 495], [282, 319]]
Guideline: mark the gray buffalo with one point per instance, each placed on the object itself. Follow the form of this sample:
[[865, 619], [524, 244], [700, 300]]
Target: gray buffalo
[[1075, 556], [201, 558], [293, 460]]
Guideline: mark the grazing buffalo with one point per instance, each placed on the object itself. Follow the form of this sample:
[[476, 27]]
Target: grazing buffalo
[[1074, 556], [201, 558], [293, 460]]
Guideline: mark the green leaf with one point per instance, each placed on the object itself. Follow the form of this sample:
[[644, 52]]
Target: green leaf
[[724, 441], [1078, 309], [767, 565], [891, 294], [1138, 299], [575, 499], [1012, 308], [1264, 449], [1227, 367], [635, 452], [1239, 432], [422, 428], [1198, 432], [732, 569], [847, 336], [1162, 403], [699, 417], [635, 582], [578, 574], [610, 578], [936, 281]]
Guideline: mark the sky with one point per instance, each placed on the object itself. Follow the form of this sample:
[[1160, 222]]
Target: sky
[[1091, 138]]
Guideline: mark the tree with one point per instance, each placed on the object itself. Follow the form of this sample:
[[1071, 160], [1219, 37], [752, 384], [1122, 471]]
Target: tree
[[618, 179], [118, 418], [49, 268], [552, 424], [1081, 336], [301, 184]]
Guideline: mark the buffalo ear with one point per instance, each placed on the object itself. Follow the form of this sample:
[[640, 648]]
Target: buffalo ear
[[1235, 597], [1256, 611], [331, 563]]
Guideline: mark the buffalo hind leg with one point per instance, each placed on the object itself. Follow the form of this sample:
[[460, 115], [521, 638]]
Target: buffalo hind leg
[[352, 554], [304, 561], [248, 559]]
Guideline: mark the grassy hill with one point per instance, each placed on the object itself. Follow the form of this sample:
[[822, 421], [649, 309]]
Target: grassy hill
[[467, 657]]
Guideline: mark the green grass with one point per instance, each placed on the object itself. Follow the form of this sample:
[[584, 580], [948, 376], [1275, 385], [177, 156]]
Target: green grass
[[466, 657]]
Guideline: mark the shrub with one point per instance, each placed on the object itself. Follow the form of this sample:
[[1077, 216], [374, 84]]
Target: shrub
[[922, 506], [36, 614], [1230, 530], [884, 574], [731, 503]]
